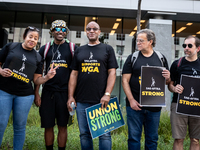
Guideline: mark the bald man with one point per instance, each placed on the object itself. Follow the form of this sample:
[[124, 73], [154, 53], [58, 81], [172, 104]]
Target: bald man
[[92, 85]]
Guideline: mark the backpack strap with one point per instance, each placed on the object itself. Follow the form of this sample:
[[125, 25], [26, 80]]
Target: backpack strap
[[13, 45], [47, 46], [72, 48], [179, 62], [134, 57], [160, 56], [46, 49]]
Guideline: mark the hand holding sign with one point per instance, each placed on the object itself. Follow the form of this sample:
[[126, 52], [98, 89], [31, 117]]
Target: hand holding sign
[[178, 89], [166, 74], [101, 121], [104, 101], [52, 72], [135, 105], [6, 72]]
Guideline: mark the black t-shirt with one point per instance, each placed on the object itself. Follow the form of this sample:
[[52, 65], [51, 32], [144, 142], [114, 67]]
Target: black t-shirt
[[92, 64], [62, 56], [135, 72], [10, 84], [186, 68]]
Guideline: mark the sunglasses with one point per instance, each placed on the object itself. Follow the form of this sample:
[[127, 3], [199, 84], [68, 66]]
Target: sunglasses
[[33, 28], [185, 45], [94, 29], [59, 29]]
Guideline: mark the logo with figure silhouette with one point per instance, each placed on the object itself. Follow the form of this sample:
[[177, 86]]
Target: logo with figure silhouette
[[23, 63], [24, 58], [194, 71], [22, 67], [192, 92], [91, 55], [153, 82], [59, 55]]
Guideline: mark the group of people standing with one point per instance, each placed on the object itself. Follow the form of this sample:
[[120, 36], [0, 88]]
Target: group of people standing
[[86, 76], [149, 117]]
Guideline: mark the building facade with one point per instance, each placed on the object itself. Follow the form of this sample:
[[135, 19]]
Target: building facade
[[171, 20]]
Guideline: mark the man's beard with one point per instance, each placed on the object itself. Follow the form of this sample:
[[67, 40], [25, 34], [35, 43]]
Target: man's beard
[[190, 54]]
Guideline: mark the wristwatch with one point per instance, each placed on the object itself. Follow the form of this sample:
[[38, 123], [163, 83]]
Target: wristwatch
[[107, 93]]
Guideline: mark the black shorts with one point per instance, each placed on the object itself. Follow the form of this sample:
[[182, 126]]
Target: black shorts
[[54, 107]]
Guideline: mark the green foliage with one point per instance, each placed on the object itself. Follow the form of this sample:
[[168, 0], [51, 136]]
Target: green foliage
[[35, 135]]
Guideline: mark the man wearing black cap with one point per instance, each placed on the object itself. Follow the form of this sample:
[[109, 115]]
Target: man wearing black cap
[[54, 94]]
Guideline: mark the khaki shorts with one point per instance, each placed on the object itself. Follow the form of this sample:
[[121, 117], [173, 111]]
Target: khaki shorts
[[180, 122]]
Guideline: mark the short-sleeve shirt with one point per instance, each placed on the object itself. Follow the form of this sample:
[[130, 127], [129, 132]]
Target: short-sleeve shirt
[[10, 84], [186, 68], [92, 64], [62, 56], [135, 72]]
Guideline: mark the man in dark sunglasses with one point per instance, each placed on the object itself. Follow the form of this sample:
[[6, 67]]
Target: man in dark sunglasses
[[93, 78], [54, 94], [188, 65]]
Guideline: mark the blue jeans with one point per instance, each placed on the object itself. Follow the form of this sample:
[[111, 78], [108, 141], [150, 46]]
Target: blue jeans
[[135, 121], [20, 105], [85, 136]]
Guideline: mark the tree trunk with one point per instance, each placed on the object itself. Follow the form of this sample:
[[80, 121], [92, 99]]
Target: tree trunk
[[139, 15], [138, 23]]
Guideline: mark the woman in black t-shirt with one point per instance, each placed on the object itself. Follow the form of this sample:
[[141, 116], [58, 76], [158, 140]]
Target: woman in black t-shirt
[[19, 65]]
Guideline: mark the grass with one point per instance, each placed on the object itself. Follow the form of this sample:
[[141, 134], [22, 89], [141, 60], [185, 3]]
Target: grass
[[35, 135]]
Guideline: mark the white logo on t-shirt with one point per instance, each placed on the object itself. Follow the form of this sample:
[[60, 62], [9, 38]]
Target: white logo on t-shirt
[[24, 58], [194, 71], [91, 55], [59, 55], [23, 63]]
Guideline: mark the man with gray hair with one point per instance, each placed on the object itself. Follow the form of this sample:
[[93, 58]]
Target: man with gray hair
[[138, 116]]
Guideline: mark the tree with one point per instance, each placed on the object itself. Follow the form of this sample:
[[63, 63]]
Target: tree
[[138, 25], [139, 15]]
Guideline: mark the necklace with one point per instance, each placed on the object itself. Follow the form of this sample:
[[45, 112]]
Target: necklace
[[53, 54]]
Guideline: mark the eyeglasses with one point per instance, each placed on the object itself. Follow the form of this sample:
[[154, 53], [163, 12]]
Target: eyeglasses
[[185, 45], [59, 29], [140, 40], [33, 28], [94, 29]]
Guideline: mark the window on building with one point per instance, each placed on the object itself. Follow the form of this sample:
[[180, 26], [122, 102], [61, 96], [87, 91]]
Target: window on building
[[120, 49], [176, 53], [10, 40], [120, 37], [11, 30], [106, 35], [78, 44], [78, 34], [176, 41]]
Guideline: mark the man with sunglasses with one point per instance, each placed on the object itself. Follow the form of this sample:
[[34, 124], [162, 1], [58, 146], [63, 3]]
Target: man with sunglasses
[[188, 65], [54, 94], [93, 78]]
